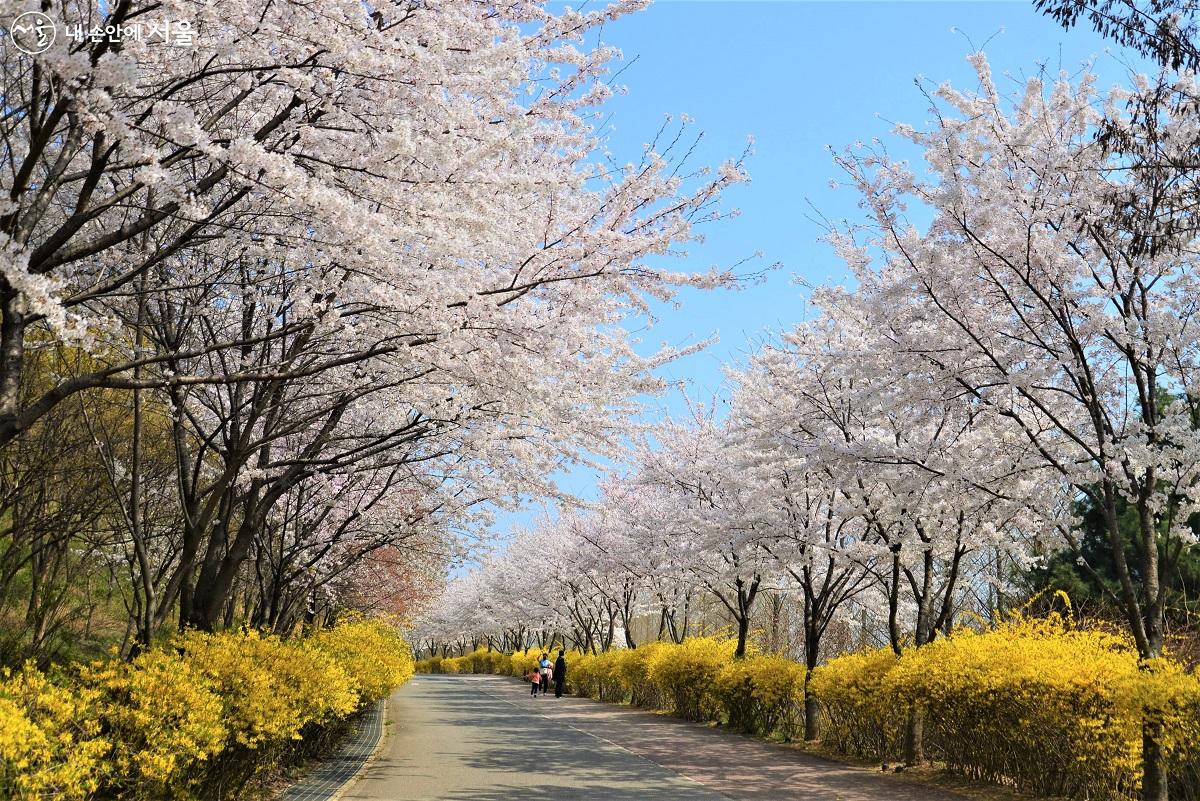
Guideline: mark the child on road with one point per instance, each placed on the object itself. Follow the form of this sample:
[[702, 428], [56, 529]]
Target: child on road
[[535, 676]]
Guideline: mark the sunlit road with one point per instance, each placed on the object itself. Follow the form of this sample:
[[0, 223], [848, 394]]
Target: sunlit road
[[482, 738]]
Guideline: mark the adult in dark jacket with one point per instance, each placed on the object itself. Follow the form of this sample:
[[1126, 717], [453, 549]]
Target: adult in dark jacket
[[560, 674]]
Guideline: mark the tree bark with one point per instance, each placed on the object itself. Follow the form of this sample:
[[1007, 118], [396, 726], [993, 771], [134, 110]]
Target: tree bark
[[1154, 763], [812, 709], [12, 355], [743, 624], [914, 737]]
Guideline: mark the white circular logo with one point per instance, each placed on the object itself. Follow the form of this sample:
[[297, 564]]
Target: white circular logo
[[33, 32]]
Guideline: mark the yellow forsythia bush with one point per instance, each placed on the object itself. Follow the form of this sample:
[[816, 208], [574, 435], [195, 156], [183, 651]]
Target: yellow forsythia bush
[[270, 688], [583, 675], [431, 664], [205, 711], [162, 716], [594, 676], [1037, 704], [855, 718], [763, 695], [373, 656], [479, 661], [521, 662], [482, 661], [624, 676], [452, 665], [632, 669], [686, 676], [50, 743]]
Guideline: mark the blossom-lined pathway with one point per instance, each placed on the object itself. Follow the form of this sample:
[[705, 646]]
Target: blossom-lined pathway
[[483, 738]]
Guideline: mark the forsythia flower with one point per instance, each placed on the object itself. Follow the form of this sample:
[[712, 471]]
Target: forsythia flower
[[1036, 703], [49, 738], [174, 718]]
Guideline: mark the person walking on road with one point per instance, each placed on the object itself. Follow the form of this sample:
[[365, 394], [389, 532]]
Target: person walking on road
[[535, 678], [546, 669], [560, 673]]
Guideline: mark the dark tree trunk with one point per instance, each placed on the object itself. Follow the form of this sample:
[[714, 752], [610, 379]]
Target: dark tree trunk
[[12, 359], [743, 630], [1154, 763], [914, 737]]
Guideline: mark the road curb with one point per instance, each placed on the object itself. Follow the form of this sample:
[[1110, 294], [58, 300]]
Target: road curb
[[330, 780], [383, 721]]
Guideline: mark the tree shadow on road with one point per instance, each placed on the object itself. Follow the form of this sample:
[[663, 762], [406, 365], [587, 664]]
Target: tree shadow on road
[[525, 756], [727, 764], [507, 746], [552, 762]]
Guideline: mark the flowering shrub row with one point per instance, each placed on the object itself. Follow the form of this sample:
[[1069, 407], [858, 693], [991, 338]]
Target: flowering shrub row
[[1034, 704], [197, 719]]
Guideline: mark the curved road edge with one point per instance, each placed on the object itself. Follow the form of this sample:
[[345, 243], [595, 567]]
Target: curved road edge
[[334, 775]]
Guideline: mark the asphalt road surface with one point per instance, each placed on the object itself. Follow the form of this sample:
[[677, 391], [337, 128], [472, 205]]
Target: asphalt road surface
[[483, 738]]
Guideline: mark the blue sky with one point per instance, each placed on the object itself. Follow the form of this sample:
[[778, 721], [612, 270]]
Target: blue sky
[[799, 77]]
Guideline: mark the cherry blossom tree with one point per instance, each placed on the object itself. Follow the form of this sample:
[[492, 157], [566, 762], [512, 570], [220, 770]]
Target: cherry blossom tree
[[635, 538], [326, 133], [717, 520], [878, 479], [1164, 30], [351, 250], [1063, 324], [815, 533]]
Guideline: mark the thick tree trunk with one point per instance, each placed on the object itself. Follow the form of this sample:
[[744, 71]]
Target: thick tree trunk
[[776, 644], [1154, 763], [12, 358], [741, 613], [610, 630], [812, 653], [627, 619], [743, 624], [894, 602], [215, 583], [1146, 615], [812, 709], [145, 624], [914, 737]]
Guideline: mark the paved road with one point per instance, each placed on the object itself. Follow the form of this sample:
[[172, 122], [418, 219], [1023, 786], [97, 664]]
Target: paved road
[[482, 738]]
